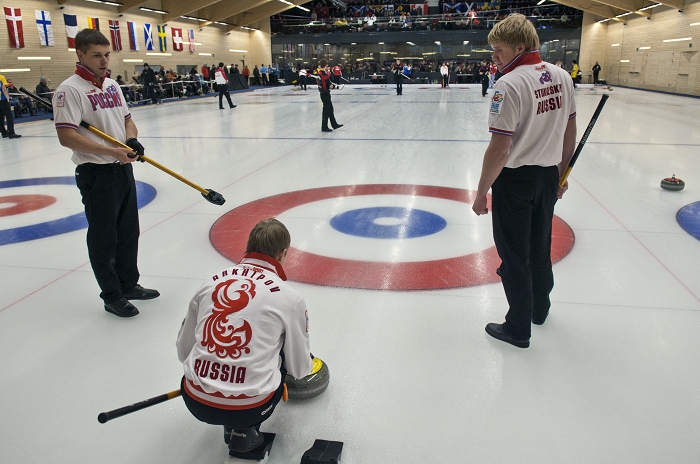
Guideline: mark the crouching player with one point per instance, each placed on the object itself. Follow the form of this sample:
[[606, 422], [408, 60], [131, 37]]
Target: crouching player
[[245, 328]]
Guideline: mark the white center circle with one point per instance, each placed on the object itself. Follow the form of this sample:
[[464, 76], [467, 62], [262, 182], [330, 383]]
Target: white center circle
[[7, 205], [388, 221]]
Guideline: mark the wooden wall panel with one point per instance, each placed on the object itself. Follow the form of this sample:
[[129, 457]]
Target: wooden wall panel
[[214, 39], [665, 66]]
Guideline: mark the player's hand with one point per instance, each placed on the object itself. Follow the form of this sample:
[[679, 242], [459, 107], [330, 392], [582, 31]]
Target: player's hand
[[479, 206], [136, 146], [124, 155], [562, 190]]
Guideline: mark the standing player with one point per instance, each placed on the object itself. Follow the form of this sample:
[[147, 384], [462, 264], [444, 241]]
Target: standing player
[[222, 87], [302, 78], [324, 88], [337, 72], [484, 71], [398, 69], [445, 73], [532, 122], [104, 173], [245, 328]]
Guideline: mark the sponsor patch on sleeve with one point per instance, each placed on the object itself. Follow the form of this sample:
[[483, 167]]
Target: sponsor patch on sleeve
[[497, 100], [60, 98]]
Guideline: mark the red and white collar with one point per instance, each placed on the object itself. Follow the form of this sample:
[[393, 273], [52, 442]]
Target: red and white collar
[[264, 261], [88, 75], [532, 57]]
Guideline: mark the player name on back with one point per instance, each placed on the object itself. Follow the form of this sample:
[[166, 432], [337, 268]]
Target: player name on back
[[550, 104]]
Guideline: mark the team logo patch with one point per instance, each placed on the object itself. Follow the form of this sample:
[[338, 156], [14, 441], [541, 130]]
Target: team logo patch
[[381, 237], [220, 335], [60, 99], [546, 77], [497, 100]]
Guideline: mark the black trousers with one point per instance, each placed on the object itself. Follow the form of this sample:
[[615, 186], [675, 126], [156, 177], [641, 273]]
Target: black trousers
[[445, 80], [223, 92], [523, 202], [150, 92], [327, 111], [236, 419], [109, 196], [595, 77], [484, 86], [399, 85], [6, 113], [302, 82]]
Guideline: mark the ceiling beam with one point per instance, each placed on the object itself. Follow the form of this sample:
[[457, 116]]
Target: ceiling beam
[[262, 12], [177, 8], [628, 5], [129, 4], [595, 8], [222, 10]]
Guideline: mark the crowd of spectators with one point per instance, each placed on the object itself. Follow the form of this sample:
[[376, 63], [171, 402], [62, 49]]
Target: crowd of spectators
[[397, 15]]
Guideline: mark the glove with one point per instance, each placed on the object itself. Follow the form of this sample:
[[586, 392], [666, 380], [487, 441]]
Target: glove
[[137, 147]]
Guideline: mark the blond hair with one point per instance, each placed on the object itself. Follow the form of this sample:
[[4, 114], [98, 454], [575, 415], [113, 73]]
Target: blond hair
[[515, 30], [269, 237]]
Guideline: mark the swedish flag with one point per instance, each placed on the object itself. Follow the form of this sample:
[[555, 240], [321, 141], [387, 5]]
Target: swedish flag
[[162, 43]]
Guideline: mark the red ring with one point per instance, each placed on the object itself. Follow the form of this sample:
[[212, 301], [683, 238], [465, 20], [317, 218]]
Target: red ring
[[25, 204], [229, 236]]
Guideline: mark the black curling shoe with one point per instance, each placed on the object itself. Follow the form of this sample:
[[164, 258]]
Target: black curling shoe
[[140, 293], [245, 440], [121, 308], [499, 332]]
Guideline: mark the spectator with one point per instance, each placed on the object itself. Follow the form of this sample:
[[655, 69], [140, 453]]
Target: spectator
[[20, 101], [235, 69], [263, 74], [148, 80], [126, 90], [42, 89], [596, 72], [246, 73], [6, 113], [575, 72], [256, 75], [205, 72]]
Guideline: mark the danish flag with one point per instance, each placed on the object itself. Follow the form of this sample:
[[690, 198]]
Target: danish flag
[[13, 18]]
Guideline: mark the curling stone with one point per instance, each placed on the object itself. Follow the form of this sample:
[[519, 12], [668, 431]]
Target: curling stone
[[310, 386], [672, 183]]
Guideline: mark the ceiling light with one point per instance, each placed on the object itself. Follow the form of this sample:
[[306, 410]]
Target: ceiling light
[[206, 54], [106, 2], [382, 43], [248, 28], [643, 48], [152, 10], [302, 8], [695, 24], [624, 61], [411, 43], [222, 23], [33, 57], [193, 18], [14, 70], [159, 54], [649, 7], [132, 60], [286, 2], [615, 45], [541, 2], [465, 42], [437, 42], [603, 20], [238, 51], [623, 14], [678, 40]]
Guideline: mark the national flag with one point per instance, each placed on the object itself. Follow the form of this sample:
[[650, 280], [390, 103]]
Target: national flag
[[43, 24], [177, 39], [13, 18], [190, 34], [162, 41], [116, 35], [94, 23], [148, 34], [133, 40], [71, 28]]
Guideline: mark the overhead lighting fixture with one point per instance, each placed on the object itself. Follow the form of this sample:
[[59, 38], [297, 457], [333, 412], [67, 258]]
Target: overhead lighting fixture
[[411, 43], [382, 43], [623, 14], [464, 55], [615, 45], [437, 42], [624, 61], [238, 51], [14, 70], [649, 7], [287, 3], [695, 24], [132, 60], [541, 2], [33, 57], [223, 23], [555, 40], [106, 2], [465, 42], [353, 43], [326, 45], [71, 49], [159, 54], [643, 48], [678, 40], [603, 20], [206, 54], [151, 10], [386, 53], [248, 28], [194, 18], [429, 53], [302, 8]]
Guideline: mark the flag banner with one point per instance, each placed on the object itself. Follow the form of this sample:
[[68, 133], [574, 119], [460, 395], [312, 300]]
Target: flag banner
[[162, 41], [148, 34], [190, 35], [177, 39], [116, 35], [94, 23], [13, 18], [43, 24], [133, 39], [71, 28]]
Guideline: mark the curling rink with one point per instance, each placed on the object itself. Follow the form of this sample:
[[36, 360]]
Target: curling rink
[[398, 294]]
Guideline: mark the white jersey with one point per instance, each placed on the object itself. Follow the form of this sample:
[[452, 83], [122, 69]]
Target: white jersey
[[238, 323], [534, 98], [302, 73], [220, 76], [444, 70], [78, 99]]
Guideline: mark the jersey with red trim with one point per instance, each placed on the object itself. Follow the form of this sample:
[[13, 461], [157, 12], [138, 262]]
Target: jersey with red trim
[[104, 107], [220, 76], [237, 324], [336, 70], [324, 83], [533, 103]]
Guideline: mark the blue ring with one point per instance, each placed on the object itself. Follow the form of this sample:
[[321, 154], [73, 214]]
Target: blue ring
[[413, 223], [689, 219], [145, 193]]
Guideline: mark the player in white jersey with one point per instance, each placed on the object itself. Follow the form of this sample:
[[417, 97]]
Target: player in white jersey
[[103, 173], [532, 120], [245, 328]]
